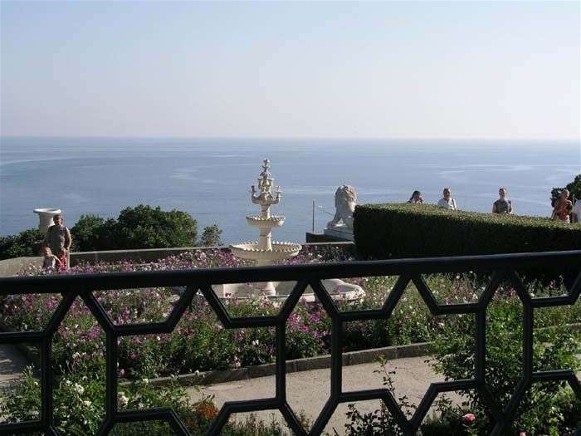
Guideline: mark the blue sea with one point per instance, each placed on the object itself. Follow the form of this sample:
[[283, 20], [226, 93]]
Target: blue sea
[[211, 178]]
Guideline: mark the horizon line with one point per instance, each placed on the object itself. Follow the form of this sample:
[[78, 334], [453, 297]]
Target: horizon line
[[334, 138]]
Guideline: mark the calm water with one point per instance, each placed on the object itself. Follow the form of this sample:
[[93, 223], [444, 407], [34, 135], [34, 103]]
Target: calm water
[[211, 179]]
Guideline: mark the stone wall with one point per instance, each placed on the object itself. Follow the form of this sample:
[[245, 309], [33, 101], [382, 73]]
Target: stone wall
[[11, 267]]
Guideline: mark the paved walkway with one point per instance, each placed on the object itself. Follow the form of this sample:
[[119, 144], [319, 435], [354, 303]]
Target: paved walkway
[[12, 362], [308, 391]]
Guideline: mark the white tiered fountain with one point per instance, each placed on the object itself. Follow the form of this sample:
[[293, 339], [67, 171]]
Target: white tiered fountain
[[265, 251]]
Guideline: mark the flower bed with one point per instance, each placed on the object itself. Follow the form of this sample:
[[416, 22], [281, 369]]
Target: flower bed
[[200, 343]]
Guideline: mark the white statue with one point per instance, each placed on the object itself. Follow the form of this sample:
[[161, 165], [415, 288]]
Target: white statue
[[345, 201]]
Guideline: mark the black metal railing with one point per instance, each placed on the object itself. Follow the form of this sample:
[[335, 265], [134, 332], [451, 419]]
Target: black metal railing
[[504, 268]]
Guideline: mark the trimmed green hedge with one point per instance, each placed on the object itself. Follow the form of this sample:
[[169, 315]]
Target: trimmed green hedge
[[384, 231]]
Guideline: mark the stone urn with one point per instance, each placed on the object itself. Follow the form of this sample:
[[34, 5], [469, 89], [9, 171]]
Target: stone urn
[[45, 215]]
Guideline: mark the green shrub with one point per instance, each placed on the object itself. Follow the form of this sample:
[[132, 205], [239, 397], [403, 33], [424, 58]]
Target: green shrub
[[211, 236], [385, 231], [380, 421], [574, 189], [79, 401], [142, 227], [540, 410], [147, 227], [24, 244], [88, 233]]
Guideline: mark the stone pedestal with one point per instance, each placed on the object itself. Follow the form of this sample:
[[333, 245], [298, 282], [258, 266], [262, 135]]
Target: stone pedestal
[[340, 232], [45, 215]]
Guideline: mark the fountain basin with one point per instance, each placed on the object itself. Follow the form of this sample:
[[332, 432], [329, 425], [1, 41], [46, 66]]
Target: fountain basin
[[252, 251], [338, 290], [265, 222]]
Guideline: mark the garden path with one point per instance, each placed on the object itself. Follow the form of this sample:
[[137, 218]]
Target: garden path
[[307, 391], [12, 362]]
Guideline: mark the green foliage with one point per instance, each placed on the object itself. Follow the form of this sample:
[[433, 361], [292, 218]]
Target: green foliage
[[141, 227], [380, 421], [211, 236], [412, 230], [26, 243], [574, 189], [147, 227], [200, 342], [540, 411], [136, 227], [79, 402], [87, 233], [79, 407]]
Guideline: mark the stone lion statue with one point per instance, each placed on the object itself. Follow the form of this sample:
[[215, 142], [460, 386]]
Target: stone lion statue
[[345, 201]]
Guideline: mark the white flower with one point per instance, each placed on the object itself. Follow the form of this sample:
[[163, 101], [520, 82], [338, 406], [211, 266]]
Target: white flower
[[123, 400], [79, 389], [87, 403]]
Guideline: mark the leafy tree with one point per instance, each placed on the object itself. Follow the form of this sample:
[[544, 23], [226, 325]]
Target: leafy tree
[[211, 236], [146, 227], [136, 227], [86, 232], [26, 243]]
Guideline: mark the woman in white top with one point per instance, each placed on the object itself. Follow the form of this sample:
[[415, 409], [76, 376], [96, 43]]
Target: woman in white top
[[447, 202]]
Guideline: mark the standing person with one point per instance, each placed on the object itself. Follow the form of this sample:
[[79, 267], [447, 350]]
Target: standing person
[[503, 204], [58, 239], [447, 202], [416, 197], [563, 207], [576, 212]]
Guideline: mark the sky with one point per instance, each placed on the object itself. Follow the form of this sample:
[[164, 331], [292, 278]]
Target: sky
[[333, 69]]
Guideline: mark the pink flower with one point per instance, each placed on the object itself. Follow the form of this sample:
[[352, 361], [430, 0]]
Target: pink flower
[[522, 433], [469, 418]]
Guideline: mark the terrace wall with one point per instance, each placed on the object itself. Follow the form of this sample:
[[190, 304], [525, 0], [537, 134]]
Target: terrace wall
[[11, 267]]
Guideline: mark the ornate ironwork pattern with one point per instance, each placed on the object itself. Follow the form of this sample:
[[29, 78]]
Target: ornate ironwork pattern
[[408, 270]]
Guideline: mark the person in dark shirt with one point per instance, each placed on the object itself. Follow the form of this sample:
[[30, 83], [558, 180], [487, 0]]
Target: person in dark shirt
[[503, 204]]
